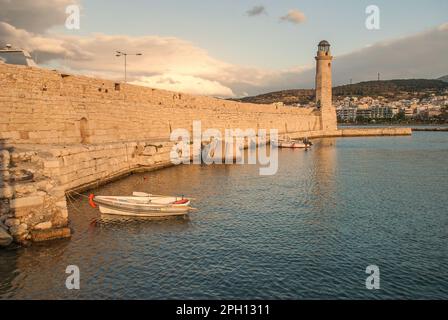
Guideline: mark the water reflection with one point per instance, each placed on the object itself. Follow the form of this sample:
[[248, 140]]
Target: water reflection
[[323, 175], [8, 263], [307, 232], [138, 225]]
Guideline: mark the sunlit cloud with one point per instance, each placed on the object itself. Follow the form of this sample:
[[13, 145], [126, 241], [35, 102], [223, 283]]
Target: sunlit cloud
[[175, 64], [34, 15], [186, 84], [294, 16]]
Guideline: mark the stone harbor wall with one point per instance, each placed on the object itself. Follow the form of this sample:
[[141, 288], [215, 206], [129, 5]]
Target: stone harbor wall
[[40, 106], [31, 202], [355, 132], [35, 180], [61, 132]]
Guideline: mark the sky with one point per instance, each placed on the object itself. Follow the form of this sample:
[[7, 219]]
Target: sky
[[231, 48]]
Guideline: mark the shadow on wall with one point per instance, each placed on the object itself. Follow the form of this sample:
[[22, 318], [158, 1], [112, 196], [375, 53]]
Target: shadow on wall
[[6, 194], [84, 130]]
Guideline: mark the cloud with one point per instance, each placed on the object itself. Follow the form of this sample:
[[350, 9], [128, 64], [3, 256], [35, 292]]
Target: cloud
[[256, 11], [186, 84], [443, 27], [34, 15], [421, 55], [175, 64], [167, 62], [294, 16], [46, 47], [160, 55]]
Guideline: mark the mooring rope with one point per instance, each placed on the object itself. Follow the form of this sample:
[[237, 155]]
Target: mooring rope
[[71, 201], [77, 193]]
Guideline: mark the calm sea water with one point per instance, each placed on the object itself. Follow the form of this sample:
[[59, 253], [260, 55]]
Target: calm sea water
[[308, 232]]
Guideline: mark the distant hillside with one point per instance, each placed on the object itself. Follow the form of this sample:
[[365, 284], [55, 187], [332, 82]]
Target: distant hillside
[[385, 88], [302, 96], [444, 78]]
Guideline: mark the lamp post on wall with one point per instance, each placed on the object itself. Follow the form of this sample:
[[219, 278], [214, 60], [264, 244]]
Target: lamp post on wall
[[125, 55]]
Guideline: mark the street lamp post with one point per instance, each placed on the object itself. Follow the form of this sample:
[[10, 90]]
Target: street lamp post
[[125, 55]]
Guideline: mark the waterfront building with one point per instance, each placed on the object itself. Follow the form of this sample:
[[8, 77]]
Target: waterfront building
[[408, 112], [364, 113], [381, 112], [347, 113]]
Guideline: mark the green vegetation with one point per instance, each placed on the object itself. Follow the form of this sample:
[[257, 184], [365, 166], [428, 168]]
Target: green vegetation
[[302, 96], [392, 89], [444, 78]]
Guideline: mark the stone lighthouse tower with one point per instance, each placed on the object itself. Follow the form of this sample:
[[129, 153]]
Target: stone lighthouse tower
[[324, 87]]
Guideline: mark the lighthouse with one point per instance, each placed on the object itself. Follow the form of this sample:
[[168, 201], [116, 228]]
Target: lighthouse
[[324, 87]]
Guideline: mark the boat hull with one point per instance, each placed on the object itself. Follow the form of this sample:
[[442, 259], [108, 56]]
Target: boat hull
[[150, 214], [292, 145], [142, 207]]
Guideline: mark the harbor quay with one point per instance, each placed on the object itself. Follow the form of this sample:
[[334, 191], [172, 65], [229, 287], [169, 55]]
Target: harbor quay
[[62, 133]]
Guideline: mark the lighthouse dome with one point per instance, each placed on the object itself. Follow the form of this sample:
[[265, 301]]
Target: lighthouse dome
[[324, 48]]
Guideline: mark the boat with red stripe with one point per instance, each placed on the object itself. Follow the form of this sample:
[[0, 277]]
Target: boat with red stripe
[[142, 204]]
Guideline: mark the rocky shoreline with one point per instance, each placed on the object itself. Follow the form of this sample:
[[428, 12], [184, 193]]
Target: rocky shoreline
[[5, 237]]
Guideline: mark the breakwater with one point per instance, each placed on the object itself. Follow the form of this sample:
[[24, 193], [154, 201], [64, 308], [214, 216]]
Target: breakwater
[[60, 132], [431, 129]]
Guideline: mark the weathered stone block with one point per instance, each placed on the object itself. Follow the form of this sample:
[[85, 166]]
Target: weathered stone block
[[27, 202], [64, 213], [25, 188], [17, 231], [51, 164], [12, 222], [43, 225], [44, 185], [6, 192], [50, 234]]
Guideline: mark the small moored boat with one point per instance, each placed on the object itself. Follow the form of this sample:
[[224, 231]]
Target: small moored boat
[[142, 205], [292, 143]]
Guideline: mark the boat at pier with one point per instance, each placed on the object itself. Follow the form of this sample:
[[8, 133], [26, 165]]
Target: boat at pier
[[142, 205], [287, 142]]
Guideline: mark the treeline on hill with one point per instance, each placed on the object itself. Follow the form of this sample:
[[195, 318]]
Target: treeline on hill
[[302, 96], [395, 89], [444, 78]]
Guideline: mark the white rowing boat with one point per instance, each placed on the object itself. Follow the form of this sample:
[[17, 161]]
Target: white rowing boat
[[292, 143], [142, 205]]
